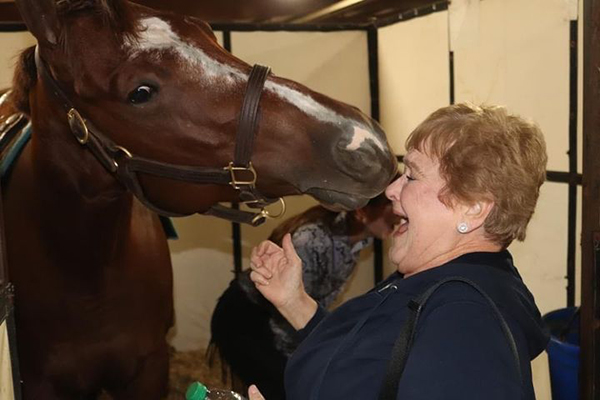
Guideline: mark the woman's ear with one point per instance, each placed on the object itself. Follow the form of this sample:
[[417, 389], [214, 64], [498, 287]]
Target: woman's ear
[[476, 213]]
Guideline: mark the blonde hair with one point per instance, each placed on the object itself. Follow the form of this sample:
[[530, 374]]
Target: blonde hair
[[486, 153]]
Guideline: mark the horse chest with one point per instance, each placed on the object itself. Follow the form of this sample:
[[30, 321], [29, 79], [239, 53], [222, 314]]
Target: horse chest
[[91, 302]]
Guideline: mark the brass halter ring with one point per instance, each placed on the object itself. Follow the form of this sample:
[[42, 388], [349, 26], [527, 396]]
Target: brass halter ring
[[122, 150], [78, 126], [264, 213]]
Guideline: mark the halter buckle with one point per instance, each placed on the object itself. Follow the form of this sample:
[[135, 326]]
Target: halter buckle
[[237, 183], [78, 126]]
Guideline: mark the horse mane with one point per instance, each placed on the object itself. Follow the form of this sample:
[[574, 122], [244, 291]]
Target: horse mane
[[24, 79], [115, 14]]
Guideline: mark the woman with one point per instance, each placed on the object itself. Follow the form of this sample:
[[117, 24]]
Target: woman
[[249, 333], [470, 185]]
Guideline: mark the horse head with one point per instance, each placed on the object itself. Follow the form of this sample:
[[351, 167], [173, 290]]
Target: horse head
[[158, 86]]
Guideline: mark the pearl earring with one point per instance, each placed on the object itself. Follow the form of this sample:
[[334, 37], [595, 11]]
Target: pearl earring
[[462, 227]]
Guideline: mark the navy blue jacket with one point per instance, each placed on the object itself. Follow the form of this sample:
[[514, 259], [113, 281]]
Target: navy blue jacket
[[459, 350]]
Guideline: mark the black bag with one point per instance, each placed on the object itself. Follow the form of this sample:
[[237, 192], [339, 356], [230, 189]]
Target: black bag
[[389, 389]]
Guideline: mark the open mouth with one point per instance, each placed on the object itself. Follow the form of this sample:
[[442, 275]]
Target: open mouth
[[402, 226]]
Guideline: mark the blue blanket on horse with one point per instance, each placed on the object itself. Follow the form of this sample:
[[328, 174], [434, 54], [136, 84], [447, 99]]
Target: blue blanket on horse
[[14, 149]]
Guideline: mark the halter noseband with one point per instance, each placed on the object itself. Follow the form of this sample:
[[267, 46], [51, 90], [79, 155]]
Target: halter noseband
[[125, 166]]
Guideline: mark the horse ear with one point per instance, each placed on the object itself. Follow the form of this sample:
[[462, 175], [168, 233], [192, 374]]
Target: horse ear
[[41, 19]]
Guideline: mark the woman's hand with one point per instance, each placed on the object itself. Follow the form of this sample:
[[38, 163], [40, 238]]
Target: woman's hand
[[254, 393], [277, 274]]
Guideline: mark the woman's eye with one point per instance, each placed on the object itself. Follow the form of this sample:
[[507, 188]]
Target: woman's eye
[[410, 178], [142, 94]]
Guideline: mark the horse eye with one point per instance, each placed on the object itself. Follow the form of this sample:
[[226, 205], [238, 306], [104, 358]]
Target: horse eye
[[142, 94]]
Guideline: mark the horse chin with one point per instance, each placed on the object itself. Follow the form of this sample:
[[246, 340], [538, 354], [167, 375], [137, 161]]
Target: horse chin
[[337, 201]]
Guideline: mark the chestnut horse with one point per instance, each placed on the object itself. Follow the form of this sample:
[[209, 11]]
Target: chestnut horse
[[89, 261]]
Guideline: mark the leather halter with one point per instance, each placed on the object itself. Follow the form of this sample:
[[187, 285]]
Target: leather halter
[[125, 166]]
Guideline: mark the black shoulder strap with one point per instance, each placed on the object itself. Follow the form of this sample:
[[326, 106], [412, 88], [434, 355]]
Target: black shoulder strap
[[389, 389]]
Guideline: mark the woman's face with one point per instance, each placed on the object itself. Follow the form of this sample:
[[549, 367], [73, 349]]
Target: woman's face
[[426, 234]]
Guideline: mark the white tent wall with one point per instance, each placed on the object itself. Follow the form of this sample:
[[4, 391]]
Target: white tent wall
[[6, 389], [414, 74], [11, 43]]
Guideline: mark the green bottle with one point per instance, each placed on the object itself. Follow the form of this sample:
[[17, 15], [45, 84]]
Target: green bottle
[[197, 391]]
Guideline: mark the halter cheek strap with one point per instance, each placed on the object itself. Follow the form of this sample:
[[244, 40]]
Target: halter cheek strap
[[125, 166]]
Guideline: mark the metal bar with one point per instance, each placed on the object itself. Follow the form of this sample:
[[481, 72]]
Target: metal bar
[[564, 177], [373, 49], [572, 205], [236, 233], [590, 235], [227, 40], [414, 13], [243, 27], [451, 63], [13, 27], [332, 8]]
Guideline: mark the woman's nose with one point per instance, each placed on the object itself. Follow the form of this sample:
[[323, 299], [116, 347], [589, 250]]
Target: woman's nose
[[394, 189]]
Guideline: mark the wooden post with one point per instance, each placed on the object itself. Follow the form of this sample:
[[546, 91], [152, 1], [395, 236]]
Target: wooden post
[[590, 271]]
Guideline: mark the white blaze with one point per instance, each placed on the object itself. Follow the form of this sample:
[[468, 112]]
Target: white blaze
[[156, 34], [359, 136]]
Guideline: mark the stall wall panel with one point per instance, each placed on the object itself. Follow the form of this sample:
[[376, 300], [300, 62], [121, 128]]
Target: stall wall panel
[[414, 74], [520, 59], [333, 63], [11, 44], [541, 258]]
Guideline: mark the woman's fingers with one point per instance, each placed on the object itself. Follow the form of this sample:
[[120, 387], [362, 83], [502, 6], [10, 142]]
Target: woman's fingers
[[254, 393], [265, 247], [258, 278], [261, 269], [254, 258], [288, 247]]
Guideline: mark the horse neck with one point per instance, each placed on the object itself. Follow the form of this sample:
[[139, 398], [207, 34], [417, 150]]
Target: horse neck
[[79, 199]]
